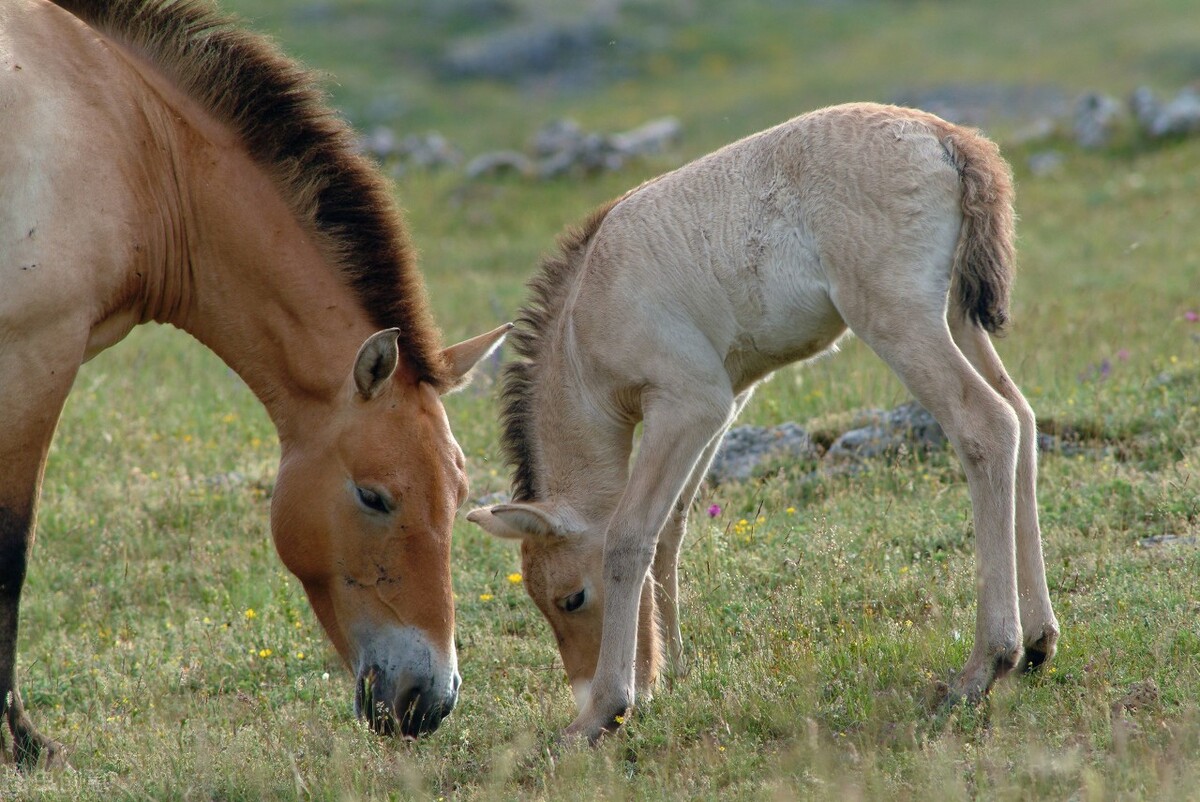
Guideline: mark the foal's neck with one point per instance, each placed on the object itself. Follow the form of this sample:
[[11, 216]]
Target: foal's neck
[[581, 440]]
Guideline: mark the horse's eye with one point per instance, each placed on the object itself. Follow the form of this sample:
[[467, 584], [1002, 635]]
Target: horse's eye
[[573, 602], [371, 500]]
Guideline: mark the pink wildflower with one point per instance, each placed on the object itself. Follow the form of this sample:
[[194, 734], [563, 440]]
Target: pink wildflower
[[714, 510], [1191, 316]]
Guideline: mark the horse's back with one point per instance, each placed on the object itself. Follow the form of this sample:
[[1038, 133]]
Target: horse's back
[[66, 172]]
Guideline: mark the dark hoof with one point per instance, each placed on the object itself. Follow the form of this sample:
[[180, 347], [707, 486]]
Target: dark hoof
[[32, 748], [1032, 661], [1040, 650]]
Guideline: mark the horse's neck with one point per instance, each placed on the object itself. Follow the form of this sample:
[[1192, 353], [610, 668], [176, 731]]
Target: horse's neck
[[256, 287]]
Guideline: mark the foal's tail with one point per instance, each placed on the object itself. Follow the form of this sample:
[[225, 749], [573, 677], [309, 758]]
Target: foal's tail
[[985, 257]]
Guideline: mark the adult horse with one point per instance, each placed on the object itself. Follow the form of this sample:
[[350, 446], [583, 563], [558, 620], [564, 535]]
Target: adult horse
[[158, 163], [670, 305]]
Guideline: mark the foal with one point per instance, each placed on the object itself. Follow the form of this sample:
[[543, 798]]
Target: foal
[[674, 301]]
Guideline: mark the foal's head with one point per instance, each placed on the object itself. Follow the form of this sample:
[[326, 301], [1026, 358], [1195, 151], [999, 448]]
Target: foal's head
[[362, 514], [562, 561]]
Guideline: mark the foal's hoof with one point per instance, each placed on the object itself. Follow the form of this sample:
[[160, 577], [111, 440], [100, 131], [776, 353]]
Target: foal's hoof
[[972, 685], [1041, 650], [946, 696], [677, 671]]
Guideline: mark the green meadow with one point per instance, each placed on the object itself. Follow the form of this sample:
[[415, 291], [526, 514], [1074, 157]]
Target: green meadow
[[165, 644]]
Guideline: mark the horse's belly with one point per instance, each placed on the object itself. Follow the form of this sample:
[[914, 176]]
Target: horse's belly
[[789, 328]]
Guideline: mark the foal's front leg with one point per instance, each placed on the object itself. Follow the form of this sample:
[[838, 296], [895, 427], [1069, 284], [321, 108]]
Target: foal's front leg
[[676, 434], [666, 557]]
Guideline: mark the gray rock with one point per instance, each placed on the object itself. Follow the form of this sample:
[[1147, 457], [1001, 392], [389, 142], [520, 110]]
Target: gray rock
[[1096, 119], [1039, 129], [1179, 116], [430, 150], [379, 142], [909, 426], [1168, 540], [746, 447], [652, 137], [499, 162], [563, 147], [555, 137], [979, 104]]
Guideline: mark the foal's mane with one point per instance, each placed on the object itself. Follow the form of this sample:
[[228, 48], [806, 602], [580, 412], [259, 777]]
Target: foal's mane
[[548, 290], [282, 117]]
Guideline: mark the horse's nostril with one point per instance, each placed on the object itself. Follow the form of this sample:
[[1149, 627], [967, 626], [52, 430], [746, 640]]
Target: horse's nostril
[[367, 704], [410, 712], [412, 717]]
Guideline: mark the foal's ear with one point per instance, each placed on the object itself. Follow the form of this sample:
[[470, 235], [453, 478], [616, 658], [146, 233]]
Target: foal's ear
[[464, 356], [376, 362], [518, 521]]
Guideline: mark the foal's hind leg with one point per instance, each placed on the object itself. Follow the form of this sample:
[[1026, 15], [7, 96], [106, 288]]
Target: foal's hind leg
[[1038, 624], [912, 337], [666, 555], [33, 387]]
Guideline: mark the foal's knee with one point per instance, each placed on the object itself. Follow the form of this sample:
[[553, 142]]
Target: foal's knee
[[991, 438]]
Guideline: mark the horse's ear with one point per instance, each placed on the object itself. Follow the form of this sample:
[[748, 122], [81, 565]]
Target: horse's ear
[[464, 356], [519, 521], [376, 362]]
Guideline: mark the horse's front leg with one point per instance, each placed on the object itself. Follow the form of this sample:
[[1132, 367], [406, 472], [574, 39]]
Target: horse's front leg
[[677, 433], [29, 410], [16, 525]]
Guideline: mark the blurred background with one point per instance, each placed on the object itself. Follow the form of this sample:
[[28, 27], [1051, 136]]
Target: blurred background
[[502, 121]]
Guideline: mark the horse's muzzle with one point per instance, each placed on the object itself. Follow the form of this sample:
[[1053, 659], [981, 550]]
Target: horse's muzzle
[[402, 707]]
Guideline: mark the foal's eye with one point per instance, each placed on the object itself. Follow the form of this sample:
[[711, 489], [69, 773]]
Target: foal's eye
[[573, 602], [371, 500]]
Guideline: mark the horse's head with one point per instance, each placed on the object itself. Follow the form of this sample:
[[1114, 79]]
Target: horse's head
[[362, 514], [562, 562]]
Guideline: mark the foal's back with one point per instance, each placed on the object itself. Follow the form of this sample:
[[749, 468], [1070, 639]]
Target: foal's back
[[752, 245]]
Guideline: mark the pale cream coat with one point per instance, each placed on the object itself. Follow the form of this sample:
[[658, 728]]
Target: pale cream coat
[[674, 301]]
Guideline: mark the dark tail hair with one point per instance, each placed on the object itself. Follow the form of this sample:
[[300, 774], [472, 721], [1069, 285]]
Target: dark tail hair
[[985, 258]]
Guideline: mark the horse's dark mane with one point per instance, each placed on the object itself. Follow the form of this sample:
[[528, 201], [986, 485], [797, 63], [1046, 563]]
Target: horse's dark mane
[[282, 116], [547, 292]]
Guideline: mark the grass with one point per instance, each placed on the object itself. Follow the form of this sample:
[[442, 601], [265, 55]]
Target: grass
[[164, 642]]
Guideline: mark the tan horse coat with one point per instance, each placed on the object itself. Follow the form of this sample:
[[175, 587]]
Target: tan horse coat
[[158, 164], [674, 301]]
